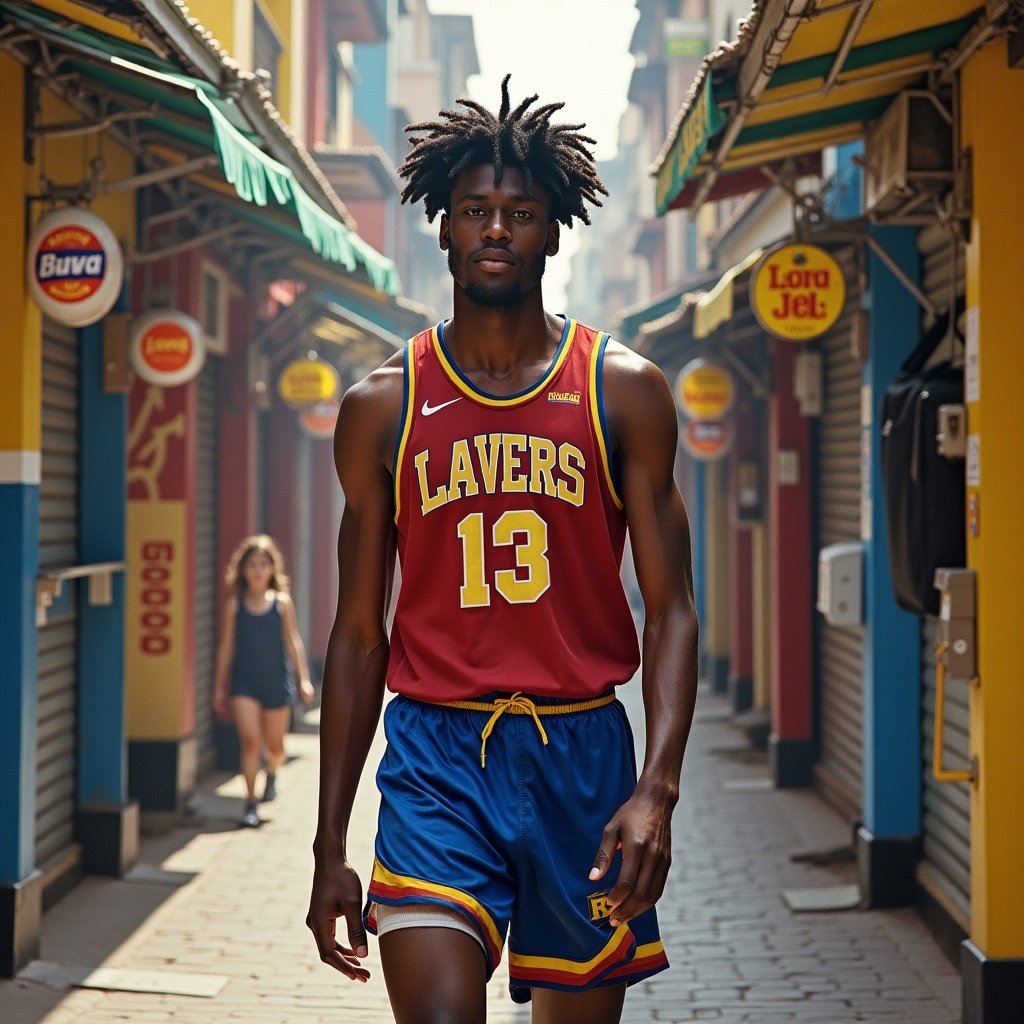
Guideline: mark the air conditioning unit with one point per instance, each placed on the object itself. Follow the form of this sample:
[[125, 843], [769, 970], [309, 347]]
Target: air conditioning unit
[[908, 155]]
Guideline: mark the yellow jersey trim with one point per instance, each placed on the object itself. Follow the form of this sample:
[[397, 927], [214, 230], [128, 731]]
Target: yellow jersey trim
[[448, 892], [405, 425], [597, 416], [554, 963], [499, 402]]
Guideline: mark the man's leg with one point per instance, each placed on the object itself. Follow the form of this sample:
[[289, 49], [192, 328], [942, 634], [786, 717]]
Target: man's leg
[[594, 1006], [435, 976]]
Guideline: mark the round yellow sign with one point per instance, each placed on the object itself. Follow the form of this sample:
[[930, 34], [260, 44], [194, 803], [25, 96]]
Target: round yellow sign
[[704, 391], [305, 382], [798, 292]]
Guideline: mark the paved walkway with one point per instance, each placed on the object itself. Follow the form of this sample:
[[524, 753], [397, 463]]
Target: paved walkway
[[213, 900]]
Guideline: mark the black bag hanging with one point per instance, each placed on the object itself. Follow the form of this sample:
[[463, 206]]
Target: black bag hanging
[[924, 491]]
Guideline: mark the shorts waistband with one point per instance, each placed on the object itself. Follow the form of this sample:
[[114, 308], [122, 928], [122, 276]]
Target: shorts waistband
[[519, 704]]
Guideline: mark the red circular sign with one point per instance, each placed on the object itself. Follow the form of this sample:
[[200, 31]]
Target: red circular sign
[[166, 346], [320, 420], [707, 440]]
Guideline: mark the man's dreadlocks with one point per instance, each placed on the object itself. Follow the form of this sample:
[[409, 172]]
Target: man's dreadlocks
[[554, 155]]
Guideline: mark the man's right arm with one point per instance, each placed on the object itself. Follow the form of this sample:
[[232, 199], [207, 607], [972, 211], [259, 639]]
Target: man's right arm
[[357, 655]]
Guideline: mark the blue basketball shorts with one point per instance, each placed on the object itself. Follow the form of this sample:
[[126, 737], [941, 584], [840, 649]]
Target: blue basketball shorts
[[510, 845]]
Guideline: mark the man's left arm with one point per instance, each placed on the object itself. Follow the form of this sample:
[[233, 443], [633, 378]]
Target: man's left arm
[[643, 418]]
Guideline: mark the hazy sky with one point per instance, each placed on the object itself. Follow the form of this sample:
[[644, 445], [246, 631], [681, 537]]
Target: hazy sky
[[572, 50]]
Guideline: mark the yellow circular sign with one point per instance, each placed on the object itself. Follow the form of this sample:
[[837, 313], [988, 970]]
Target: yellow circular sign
[[704, 391], [305, 382], [798, 292]]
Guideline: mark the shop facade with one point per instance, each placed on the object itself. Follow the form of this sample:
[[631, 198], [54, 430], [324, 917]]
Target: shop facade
[[928, 775], [132, 440]]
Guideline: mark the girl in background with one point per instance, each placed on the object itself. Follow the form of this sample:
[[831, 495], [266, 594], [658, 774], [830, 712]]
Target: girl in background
[[258, 660]]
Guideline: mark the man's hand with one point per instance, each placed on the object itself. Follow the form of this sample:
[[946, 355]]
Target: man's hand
[[337, 893], [642, 829]]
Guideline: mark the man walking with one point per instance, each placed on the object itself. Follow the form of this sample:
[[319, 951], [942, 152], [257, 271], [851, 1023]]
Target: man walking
[[502, 456]]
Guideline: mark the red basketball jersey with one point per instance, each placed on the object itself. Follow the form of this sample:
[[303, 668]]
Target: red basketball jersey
[[510, 532]]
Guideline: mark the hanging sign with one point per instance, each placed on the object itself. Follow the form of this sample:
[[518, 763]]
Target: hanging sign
[[704, 390], [320, 420], [707, 440], [305, 382], [167, 348], [797, 292], [75, 267]]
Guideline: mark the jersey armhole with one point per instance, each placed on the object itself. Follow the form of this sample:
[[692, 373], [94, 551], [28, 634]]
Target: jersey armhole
[[404, 423], [609, 463]]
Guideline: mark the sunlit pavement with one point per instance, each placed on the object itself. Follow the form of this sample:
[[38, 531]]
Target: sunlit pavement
[[217, 901]]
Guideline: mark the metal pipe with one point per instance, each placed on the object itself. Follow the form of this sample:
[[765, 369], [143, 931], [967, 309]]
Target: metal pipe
[[758, 66], [976, 38], [912, 69], [191, 243], [897, 271], [853, 28], [160, 174]]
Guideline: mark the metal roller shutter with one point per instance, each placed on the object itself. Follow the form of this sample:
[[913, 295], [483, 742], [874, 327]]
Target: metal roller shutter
[[946, 818], [837, 513], [58, 548], [207, 569]]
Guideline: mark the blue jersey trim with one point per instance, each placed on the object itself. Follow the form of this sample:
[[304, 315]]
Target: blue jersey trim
[[614, 458]]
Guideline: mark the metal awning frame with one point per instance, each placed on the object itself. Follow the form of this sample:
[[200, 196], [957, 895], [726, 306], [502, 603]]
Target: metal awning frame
[[771, 38]]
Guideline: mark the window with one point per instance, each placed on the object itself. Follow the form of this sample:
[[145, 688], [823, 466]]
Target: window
[[266, 45]]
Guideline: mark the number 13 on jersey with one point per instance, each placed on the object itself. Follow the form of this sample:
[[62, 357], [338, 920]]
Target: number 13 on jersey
[[528, 534]]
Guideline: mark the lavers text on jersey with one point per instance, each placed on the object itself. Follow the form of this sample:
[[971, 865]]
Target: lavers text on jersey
[[500, 463]]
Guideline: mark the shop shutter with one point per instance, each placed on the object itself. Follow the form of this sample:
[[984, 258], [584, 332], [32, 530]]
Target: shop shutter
[[58, 548], [207, 568], [837, 514], [946, 817], [946, 820]]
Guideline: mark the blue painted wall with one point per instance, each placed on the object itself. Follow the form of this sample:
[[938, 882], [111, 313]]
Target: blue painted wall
[[891, 665], [102, 765], [19, 565]]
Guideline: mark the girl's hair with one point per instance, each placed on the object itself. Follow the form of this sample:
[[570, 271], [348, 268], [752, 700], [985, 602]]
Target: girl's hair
[[555, 155], [235, 575]]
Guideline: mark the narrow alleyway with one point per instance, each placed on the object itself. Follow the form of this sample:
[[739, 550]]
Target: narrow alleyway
[[211, 900]]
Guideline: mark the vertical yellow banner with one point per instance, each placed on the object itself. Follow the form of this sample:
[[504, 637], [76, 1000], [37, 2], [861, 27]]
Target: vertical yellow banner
[[157, 640]]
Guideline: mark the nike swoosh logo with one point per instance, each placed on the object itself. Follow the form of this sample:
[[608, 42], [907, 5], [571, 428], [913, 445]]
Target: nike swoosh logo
[[428, 410]]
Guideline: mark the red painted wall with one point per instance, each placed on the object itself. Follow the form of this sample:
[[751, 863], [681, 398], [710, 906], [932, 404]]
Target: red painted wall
[[371, 218], [791, 566]]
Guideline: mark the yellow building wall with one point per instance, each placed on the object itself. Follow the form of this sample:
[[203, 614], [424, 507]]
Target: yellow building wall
[[19, 344], [990, 93], [63, 161], [91, 19]]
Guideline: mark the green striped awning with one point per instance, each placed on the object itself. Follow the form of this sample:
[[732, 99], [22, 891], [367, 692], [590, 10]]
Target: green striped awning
[[193, 111]]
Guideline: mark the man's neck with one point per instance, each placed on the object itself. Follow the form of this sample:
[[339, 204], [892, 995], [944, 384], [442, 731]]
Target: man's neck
[[497, 339]]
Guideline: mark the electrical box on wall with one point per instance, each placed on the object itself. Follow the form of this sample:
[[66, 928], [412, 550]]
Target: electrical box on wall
[[840, 583], [807, 382]]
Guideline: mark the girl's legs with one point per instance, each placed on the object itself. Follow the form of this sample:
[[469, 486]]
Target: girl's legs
[[247, 711], [275, 725]]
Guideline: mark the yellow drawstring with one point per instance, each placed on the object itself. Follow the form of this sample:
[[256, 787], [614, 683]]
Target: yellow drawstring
[[522, 705]]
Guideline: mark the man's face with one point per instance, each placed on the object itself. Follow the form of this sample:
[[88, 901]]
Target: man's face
[[497, 239]]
